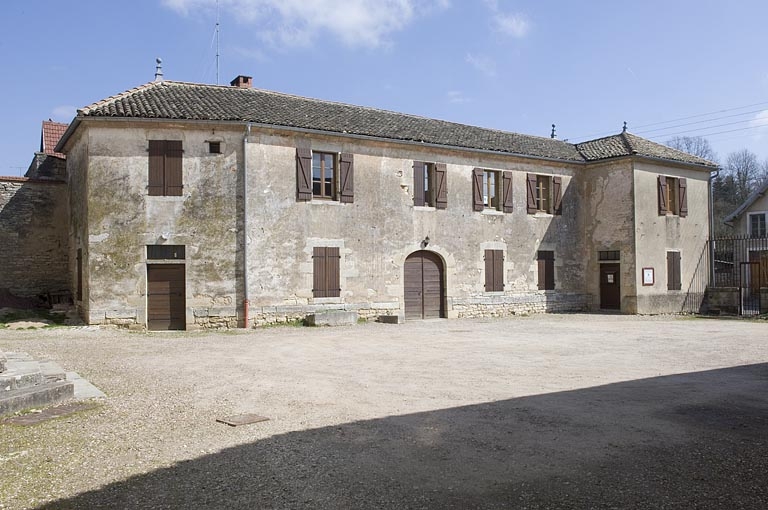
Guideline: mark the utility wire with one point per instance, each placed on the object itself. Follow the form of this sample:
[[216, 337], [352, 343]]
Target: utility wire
[[700, 122]]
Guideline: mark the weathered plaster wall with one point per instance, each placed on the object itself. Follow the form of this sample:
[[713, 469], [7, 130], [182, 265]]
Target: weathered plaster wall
[[77, 183], [122, 219], [33, 236], [609, 189], [655, 235], [382, 227]]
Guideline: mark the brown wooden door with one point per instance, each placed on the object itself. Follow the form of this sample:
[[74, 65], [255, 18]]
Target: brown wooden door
[[166, 298], [610, 287], [424, 286]]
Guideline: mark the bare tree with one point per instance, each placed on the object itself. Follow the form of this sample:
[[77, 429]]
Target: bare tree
[[696, 145], [745, 170]]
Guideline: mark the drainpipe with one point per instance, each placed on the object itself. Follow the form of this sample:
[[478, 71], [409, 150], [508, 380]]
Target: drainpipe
[[712, 176], [246, 296]]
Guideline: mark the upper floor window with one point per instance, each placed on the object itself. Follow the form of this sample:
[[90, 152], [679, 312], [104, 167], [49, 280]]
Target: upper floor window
[[324, 175], [673, 196], [757, 226], [544, 194], [165, 169], [491, 189], [429, 185]]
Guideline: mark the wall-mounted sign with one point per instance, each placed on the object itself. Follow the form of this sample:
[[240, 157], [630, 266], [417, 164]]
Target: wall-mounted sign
[[609, 277], [648, 278]]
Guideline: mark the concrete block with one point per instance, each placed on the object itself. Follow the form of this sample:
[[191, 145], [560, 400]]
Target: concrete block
[[36, 396], [391, 319], [332, 318]]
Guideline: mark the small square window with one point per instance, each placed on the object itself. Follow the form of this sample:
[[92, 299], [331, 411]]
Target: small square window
[[214, 147]]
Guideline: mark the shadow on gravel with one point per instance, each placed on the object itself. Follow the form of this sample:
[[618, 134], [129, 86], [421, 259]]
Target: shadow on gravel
[[697, 440]]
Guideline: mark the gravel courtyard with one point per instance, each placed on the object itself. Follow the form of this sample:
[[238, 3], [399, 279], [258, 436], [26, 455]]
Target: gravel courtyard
[[555, 411]]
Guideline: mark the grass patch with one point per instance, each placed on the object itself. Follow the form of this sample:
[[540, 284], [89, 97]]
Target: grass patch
[[38, 315]]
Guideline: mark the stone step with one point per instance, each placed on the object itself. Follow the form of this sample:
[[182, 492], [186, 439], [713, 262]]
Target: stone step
[[35, 397], [22, 374]]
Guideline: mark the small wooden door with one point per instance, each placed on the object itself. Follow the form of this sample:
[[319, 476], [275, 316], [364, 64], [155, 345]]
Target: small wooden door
[[166, 297], [610, 286], [424, 288]]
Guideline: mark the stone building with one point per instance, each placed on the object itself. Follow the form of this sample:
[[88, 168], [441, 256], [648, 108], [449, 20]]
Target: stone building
[[196, 205]]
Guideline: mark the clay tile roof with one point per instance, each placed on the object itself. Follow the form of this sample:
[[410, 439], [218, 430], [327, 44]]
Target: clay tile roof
[[190, 101], [175, 100], [627, 144], [52, 133]]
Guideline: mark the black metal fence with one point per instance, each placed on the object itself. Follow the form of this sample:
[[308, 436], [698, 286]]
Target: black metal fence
[[729, 277]]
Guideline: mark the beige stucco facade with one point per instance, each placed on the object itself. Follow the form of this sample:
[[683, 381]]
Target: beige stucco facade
[[606, 206]]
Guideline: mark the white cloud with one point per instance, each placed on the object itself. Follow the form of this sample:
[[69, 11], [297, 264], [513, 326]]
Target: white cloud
[[64, 113], [759, 125], [514, 25], [457, 97], [482, 63], [300, 22]]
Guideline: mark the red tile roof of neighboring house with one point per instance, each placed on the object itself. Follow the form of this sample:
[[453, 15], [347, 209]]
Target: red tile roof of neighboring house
[[52, 133]]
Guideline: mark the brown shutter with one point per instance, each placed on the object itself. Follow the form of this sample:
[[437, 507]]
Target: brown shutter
[[662, 195], [557, 195], [156, 167], [303, 175], [507, 192], [332, 272], [173, 168], [325, 272], [318, 272], [530, 193], [546, 263], [673, 271], [418, 183], [478, 204], [489, 270], [346, 175], [682, 195], [79, 294], [441, 186], [498, 270]]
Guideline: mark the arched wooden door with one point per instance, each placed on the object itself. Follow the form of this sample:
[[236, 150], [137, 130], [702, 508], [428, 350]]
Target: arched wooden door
[[424, 287]]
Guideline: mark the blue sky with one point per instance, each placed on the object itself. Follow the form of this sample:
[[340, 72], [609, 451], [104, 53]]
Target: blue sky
[[512, 65]]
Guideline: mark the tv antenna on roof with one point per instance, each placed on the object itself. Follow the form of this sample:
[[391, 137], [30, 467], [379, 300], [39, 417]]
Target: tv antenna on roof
[[217, 42]]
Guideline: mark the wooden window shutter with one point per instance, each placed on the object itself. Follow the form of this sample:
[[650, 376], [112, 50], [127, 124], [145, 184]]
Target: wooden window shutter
[[346, 178], [546, 263], [498, 270], [662, 195], [682, 188], [303, 175], [79, 294], [557, 195], [418, 183], [441, 186], [332, 272], [507, 188], [530, 193], [156, 167], [494, 270], [325, 272], [673, 271], [173, 168], [489, 281], [478, 204]]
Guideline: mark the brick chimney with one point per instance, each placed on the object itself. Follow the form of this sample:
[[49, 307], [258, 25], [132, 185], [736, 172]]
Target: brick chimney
[[244, 82]]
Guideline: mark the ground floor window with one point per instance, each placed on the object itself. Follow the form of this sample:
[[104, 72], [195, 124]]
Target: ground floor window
[[325, 263], [674, 281], [494, 270], [546, 259]]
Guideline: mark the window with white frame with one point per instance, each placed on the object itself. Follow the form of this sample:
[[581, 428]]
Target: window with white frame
[[757, 226]]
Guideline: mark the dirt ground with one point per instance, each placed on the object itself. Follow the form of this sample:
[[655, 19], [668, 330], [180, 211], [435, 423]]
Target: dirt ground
[[555, 411]]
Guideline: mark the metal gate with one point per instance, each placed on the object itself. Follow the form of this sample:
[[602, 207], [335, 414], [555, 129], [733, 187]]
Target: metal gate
[[749, 288]]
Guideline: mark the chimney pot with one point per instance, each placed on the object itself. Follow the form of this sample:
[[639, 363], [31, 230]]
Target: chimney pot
[[243, 82]]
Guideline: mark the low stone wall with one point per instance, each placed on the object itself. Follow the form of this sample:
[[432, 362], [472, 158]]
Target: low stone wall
[[723, 299], [528, 303], [34, 235]]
